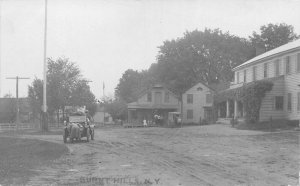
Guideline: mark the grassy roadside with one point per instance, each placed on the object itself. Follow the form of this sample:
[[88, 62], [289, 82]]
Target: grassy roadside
[[19, 158]]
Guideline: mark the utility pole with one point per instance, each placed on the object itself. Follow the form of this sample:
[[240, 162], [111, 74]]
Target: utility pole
[[17, 97], [103, 104], [44, 115]]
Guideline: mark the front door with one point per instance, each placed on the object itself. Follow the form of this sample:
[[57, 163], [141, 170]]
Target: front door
[[208, 116]]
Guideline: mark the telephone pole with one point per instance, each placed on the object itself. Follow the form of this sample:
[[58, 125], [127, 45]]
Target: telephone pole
[[104, 103], [17, 78]]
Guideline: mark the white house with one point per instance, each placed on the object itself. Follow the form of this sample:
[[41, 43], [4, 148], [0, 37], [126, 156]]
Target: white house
[[281, 66]]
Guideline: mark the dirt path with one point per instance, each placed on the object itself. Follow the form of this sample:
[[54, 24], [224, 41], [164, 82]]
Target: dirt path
[[208, 155]]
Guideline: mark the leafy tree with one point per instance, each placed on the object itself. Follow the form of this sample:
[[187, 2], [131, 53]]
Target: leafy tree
[[273, 35], [131, 84], [35, 95], [115, 107], [8, 95], [206, 56], [65, 87]]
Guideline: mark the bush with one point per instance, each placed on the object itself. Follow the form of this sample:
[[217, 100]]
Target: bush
[[267, 125]]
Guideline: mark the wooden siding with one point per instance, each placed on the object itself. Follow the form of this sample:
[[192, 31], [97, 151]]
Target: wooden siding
[[172, 99], [289, 84], [271, 69], [267, 109], [292, 83], [199, 101]]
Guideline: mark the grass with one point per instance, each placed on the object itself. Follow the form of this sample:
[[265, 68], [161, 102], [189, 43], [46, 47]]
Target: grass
[[19, 158], [268, 125]]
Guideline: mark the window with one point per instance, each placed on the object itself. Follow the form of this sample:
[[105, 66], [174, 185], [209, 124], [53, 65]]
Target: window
[[209, 98], [254, 73], [289, 101], [199, 89], [167, 97], [298, 62], [189, 114], [278, 102], [189, 98], [238, 77], [149, 97], [245, 76], [276, 63], [265, 70], [298, 105], [287, 65]]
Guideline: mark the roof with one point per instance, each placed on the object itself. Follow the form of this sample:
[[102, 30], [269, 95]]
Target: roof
[[219, 86], [294, 45], [271, 79], [214, 86]]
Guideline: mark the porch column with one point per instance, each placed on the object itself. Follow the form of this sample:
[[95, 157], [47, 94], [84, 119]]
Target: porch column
[[227, 109], [219, 111], [236, 109], [129, 116], [244, 111]]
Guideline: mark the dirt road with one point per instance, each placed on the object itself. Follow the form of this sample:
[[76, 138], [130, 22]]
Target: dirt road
[[206, 155]]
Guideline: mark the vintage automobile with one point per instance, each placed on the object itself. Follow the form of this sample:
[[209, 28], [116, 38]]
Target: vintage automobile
[[77, 127]]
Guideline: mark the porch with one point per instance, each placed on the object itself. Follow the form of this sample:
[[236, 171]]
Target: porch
[[229, 109]]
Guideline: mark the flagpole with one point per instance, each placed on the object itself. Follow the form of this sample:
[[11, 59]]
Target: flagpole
[[45, 124], [0, 48]]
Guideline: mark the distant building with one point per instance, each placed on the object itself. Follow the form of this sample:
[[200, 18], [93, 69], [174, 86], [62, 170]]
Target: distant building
[[197, 102], [158, 100], [101, 116]]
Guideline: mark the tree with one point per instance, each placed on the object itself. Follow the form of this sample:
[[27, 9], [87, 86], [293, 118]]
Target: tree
[[8, 95], [116, 108], [35, 95], [65, 87], [131, 84], [273, 35], [206, 56]]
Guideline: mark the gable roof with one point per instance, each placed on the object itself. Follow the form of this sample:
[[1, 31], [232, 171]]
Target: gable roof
[[216, 87], [291, 46]]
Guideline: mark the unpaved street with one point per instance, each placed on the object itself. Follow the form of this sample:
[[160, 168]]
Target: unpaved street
[[206, 155]]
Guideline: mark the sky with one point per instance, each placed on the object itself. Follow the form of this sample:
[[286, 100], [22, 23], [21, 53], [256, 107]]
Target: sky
[[107, 37]]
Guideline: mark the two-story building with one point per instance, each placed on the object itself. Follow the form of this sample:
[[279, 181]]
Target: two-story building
[[157, 100], [280, 66], [197, 104]]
